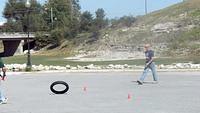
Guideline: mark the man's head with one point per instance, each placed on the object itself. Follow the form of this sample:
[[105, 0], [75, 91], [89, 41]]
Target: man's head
[[147, 47]]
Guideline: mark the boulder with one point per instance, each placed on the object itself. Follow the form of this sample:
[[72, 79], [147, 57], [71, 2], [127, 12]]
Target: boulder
[[68, 67]]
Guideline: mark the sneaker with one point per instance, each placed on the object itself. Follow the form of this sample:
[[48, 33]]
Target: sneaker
[[139, 82], [4, 101], [3, 78]]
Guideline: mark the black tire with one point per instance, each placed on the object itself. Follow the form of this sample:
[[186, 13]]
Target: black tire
[[57, 83]]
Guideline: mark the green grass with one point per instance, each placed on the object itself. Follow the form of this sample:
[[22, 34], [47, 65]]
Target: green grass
[[196, 13], [57, 60], [186, 40]]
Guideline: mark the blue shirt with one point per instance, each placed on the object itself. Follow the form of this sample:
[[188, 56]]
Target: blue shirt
[[149, 55]]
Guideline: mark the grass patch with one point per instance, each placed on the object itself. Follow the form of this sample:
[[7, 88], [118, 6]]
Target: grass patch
[[58, 60], [196, 13]]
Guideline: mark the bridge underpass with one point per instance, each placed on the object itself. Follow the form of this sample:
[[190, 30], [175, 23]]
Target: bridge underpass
[[15, 43]]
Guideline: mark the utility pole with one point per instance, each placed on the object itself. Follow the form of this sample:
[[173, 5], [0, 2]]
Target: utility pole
[[28, 65], [72, 8], [146, 9], [52, 17]]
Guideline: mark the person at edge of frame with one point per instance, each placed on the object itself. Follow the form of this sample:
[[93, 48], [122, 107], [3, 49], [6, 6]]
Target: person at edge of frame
[[3, 99]]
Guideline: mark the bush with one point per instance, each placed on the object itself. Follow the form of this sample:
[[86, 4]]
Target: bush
[[42, 40], [54, 38], [126, 21]]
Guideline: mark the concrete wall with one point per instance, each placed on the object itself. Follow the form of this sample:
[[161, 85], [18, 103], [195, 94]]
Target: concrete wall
[[20, 49]]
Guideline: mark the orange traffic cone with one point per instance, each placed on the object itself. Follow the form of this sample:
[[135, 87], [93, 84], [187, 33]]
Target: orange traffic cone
[[84, 88], [129, 96]]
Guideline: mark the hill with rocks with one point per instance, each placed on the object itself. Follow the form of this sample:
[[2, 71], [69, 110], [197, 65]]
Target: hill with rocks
[[172, 31]]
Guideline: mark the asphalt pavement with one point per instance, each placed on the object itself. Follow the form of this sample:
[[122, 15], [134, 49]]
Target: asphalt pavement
[[109, 92]]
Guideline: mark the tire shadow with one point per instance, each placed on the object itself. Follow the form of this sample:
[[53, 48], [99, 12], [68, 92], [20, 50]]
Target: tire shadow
[[53, 94]]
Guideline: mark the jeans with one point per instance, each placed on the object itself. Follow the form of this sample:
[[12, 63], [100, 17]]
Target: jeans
[[1, 94], [151, 67]]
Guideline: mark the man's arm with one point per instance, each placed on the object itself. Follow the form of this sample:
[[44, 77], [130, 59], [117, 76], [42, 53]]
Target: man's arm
[[150, 61], [151, 57]]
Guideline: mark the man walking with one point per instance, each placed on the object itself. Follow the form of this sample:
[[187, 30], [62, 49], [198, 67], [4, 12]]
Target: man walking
[[150, 65], [3, 100]]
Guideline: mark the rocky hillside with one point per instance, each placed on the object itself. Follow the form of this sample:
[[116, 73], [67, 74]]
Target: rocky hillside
[[173, 31]]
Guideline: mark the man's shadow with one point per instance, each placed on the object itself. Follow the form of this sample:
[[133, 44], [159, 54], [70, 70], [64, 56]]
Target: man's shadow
[[145, 82]]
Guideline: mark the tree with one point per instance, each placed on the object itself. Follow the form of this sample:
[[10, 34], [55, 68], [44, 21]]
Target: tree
[[62, 18], [16, 14], [100, 14], [76, 13], [125, 21], [98, 24], [86, 21], [100, 21]]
